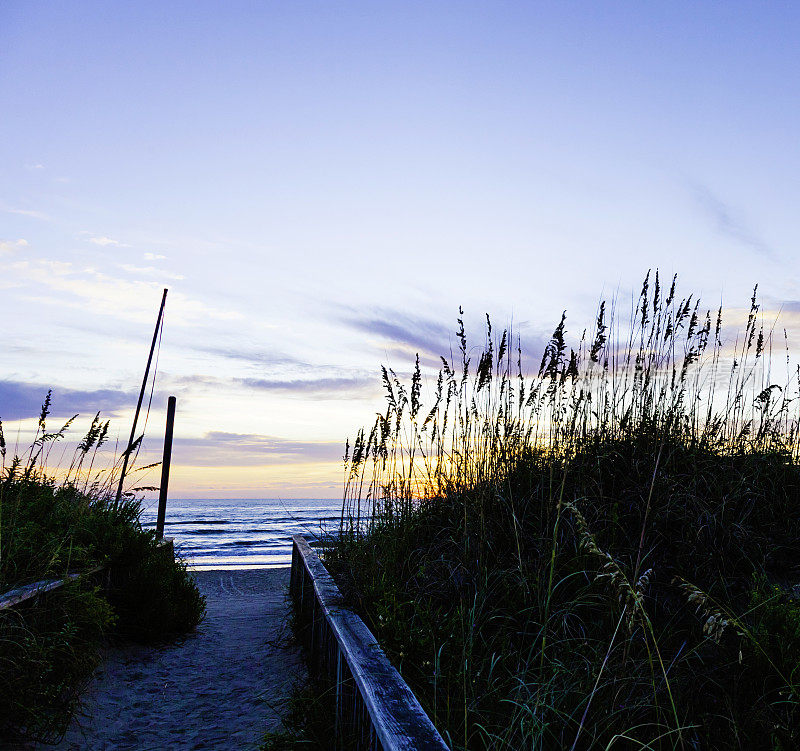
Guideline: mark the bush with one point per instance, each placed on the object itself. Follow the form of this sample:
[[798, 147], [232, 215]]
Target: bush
[[152, 593], [49, 528], [48, 651]]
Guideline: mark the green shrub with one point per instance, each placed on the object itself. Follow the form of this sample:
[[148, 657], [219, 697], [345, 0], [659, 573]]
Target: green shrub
[[153, 594], [48, 652], [48, 529]]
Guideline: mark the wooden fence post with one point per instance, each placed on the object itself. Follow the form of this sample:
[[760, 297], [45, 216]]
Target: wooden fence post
[[162, 496]]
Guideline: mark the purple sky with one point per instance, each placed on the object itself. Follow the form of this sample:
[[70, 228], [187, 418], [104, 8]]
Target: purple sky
[[321, 185]]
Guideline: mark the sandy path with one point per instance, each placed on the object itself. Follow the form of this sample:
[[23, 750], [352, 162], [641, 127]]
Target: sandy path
[[220, 688]]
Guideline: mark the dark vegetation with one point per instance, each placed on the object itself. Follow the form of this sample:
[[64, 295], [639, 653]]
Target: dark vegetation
[[605, 554], [307, 720], [50, 527]]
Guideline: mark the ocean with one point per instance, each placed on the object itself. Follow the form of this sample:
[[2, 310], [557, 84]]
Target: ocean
[[235, 533]]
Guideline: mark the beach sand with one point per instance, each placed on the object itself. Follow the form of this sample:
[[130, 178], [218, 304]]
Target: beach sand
[[219, 688]]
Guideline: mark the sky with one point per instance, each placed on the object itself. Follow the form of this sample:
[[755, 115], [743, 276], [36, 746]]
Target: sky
[[321, 185]]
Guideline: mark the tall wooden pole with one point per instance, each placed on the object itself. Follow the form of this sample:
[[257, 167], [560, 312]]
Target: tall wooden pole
[[165, 462], [139, 403]]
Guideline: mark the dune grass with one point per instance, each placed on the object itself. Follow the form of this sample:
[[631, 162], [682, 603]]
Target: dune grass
[[50, 527], [604, 554]]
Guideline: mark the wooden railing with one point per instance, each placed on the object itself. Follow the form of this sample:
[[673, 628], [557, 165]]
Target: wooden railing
[[375, 709], [22, 594], [29, 591]]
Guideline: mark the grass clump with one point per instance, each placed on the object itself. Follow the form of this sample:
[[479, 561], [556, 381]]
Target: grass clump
[[308, 720], [51, 527], [48, 652], [603, 554]]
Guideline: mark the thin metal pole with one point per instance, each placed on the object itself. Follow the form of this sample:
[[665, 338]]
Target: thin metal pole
[[139, 403], [162, 496]]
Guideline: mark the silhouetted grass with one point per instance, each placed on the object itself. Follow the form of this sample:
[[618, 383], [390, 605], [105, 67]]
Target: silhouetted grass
[[602, 555], [50, 527]]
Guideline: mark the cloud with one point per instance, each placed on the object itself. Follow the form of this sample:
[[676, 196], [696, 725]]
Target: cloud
[[7, 247], [220, 449], [150, 271], [25, 212], [20, 400], [729, 222], [102, 240], [92, 291], [321, 387], [256, 357], [406, 333], [313, 386], [786, 313], [154, 257]]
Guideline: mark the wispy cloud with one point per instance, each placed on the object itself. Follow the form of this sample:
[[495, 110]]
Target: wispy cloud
[[257, 357], [8, 247], [319, 387], [32, 213], [20, 400], [785, 311], [93, 291], [102, 240], [402, 332], [220, 449], [405, 335], [730, 222], [150, 271], [34, 166], [154, 257]]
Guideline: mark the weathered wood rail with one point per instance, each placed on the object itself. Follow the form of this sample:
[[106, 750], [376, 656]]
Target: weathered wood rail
[[375, 708], [29, 591], [20, 595]]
